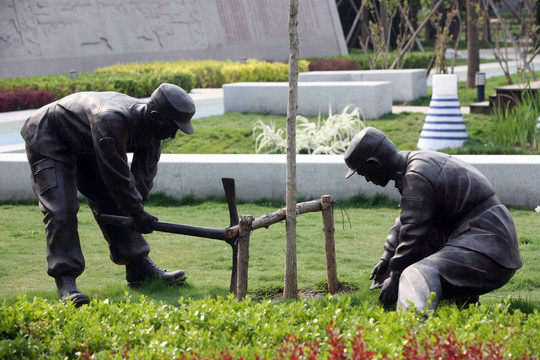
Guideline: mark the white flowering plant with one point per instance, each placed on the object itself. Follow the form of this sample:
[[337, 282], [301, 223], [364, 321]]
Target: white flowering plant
[[329, 136]]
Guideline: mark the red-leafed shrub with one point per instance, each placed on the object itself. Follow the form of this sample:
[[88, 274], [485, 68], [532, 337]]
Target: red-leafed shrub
[[333, 64], [438, 347], [21, 99]]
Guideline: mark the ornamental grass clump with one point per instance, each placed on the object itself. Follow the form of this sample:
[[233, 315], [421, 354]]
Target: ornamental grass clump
[[329, 136], [517, 125]]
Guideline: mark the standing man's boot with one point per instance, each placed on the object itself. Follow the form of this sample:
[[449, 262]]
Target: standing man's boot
[[67, 289], [144, 269]]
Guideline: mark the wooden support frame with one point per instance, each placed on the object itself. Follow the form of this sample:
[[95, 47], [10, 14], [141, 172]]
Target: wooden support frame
[[248, 223]]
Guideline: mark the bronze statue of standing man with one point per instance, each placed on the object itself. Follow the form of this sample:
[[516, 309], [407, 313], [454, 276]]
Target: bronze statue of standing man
[[453, 237], [80, 143]]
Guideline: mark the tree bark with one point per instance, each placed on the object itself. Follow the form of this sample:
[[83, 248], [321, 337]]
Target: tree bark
[[290, 288], [473, 49]]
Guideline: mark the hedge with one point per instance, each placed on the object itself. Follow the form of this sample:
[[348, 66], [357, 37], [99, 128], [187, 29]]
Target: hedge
[[222, 328], [411, 60], [211, 73], [136, 85], [21, 99], [140, 79]]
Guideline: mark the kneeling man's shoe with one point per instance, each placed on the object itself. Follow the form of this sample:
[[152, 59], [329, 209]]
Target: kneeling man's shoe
[[144, 269], [67, 289]]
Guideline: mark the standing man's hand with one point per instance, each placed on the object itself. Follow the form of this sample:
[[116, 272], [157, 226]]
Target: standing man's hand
[[142, 222], [379, 274]]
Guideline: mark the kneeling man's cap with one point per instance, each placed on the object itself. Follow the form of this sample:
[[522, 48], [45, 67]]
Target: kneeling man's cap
[[176, 104], [362, 147]]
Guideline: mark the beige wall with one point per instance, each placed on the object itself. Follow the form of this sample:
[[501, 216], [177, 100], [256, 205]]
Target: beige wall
[[56, 36]]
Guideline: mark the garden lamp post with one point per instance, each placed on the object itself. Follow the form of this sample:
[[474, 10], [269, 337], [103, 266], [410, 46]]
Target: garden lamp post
[[480, 81]]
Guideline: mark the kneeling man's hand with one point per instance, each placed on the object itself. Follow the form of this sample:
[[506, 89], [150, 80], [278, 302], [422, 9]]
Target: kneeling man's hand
[[389, 292], [380, 272]]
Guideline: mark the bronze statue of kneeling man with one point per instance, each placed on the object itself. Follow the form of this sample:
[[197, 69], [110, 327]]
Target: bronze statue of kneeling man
[[80, 143], [452, 238]]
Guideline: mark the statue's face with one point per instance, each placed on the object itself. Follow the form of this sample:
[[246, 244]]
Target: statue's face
[[374, 172], [161, 128]]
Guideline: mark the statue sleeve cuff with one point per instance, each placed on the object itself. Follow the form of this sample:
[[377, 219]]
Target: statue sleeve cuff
[[386, 256]]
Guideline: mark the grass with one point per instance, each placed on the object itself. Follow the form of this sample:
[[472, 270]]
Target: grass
[[361, 227], [221, 134], [231, 133]]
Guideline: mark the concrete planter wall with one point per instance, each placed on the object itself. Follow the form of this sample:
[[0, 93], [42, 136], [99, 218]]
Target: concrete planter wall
[[515, 177]]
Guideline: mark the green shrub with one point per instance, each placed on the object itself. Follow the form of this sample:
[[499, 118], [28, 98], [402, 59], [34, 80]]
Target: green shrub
[[416, 60], [223, 328], [253, 70], [135, 85], [211, 73], [207, 73], [411, 60]]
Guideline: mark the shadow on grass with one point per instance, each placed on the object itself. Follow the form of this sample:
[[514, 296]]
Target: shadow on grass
[[160, 291]]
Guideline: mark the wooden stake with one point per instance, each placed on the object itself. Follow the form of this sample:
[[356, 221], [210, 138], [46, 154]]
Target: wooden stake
[[329, 243], [243, 256]]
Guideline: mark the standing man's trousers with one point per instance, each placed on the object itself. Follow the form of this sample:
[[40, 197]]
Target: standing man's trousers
[[55, 184]]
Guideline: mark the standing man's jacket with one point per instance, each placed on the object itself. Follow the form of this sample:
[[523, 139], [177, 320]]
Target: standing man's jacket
[[105, 125]]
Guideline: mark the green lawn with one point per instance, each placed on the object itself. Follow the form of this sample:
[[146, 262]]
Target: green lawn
[[360, 233], [232, 133]]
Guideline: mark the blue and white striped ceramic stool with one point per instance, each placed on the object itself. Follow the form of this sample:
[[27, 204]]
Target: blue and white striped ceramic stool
[[444, 126]]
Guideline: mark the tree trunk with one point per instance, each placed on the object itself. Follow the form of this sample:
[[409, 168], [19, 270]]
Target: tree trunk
[[473, 50], [290, 289]]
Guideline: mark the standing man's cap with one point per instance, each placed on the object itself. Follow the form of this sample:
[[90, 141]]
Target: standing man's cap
[[176, 104]]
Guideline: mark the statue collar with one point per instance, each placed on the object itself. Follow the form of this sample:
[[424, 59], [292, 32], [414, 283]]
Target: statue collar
[[401, 165]]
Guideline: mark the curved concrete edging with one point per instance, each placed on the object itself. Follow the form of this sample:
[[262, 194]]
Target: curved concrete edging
[[515, 177]]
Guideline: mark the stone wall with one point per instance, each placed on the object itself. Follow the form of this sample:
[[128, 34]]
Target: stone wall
[[514, 177], [39, 37]]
